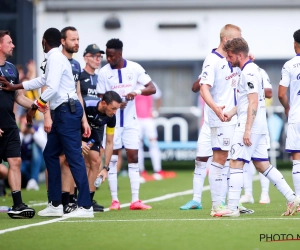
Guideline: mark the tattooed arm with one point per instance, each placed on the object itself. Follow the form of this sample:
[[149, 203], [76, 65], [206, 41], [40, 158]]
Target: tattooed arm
[[251, 114], [22, 100]]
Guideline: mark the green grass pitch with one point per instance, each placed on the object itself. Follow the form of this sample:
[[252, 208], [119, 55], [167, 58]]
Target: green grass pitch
[[163, 227]]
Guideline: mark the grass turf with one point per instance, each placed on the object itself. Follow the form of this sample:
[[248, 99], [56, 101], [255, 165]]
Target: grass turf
[[163, 227]]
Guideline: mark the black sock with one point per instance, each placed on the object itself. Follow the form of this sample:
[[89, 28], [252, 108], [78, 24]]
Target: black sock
[[92, 195], [85, 207], [75, 192], [55, 203], [65, 198], [72, 198], [17, 198]]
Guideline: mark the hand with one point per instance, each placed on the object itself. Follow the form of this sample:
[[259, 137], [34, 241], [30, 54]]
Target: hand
[[29, 116], [123, 105], [219, 112], [251, 57], [5, 85], [44, 109], [103, 173], [246, 138], [1, 132], [47, 124], [86, 129], [286, 111], [227, 117], [130, 96], [85, 148]]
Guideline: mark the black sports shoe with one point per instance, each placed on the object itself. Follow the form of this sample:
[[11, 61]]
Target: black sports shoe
[[97, 207], [21, 211], [70, 208]]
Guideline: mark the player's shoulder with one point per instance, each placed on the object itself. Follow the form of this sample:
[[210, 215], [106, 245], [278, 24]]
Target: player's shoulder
[[292, 63], [105, 68], [212, 59], [132, 65], [84, 75], [10, 65]]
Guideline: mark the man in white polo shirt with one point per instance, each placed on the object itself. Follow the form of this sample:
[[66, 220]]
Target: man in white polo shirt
[[122, 76]]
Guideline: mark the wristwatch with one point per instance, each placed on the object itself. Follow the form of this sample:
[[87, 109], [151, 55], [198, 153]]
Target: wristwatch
[[34, 106], [107, 168]]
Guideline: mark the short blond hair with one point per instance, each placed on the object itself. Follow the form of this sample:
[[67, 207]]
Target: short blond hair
[[227, 31]]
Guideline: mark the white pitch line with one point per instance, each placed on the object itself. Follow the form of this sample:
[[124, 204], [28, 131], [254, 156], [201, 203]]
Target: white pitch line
[[196, 219], [160, 198]]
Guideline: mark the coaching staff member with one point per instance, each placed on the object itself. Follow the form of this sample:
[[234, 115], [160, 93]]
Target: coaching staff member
[[10, 146], [65, 133]]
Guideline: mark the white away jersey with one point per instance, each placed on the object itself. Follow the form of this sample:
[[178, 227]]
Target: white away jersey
[[290, 77], [222, 77], [266, 80], [123, 81], [251, 82]]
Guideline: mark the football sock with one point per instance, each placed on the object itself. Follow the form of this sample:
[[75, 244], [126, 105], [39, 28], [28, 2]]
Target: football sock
[[17, 197], [65, 198], [215, 181], [198, 180], [235, 187], [92, 195], [296, 176], [265, 184], [247, 178], [134, 176], [155, 156], [279, 182], [112, 177], [224, 188]]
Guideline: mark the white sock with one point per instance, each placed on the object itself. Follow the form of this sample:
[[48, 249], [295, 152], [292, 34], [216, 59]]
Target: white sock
[[235, 188], [141, 157], [134, 176], [224, 188], [247, 178], [265, 184], [296, 176], [215, 182], [198, 180], [155, 156], [112, 177], [279, 182]]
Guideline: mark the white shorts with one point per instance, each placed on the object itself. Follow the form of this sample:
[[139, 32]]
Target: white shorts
[[221, 137], [147, 128], [258, 151], [127, 137], [292, 144], [204, 142]]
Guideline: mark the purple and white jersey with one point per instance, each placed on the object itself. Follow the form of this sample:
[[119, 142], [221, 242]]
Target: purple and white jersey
[[290, 77], [251, 82], [222, 77], [123, 81]]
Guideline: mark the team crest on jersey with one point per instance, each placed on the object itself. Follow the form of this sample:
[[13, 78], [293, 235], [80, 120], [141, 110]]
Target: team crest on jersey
[[226, 141], [250, 85], [129, 77], [10, 71]]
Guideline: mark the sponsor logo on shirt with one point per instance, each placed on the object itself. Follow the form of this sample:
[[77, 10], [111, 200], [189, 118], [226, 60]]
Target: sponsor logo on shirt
[[129, 76], [86, 80], [127, 85], [110, 77], [231, 76], [250, 85]]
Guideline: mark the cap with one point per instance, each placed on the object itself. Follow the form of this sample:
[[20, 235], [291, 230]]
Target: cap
[[93, 49]]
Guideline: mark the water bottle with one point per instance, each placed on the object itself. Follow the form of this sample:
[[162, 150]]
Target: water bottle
[[4, 209], [98, 181], [90, 143]]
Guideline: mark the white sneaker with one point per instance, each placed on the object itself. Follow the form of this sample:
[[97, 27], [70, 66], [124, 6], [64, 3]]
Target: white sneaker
[[244, 210], [81, 212], [228, 213], [264, 199], [292, 207], [50, 210], [157, 176], [217, 209], [246, 198], [142, 179], [32, 185]]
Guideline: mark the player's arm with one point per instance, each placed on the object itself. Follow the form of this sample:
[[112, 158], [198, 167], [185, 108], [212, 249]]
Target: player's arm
[[47, 116], [205, 93], [109, 147], [148, 90], [196, 86], [251, 114], [84, 122], [268, 93], [229, 114], [22, 100], [283, 98]]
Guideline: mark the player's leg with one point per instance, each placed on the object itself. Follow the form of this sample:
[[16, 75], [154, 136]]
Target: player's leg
[[10, 147], [202, 162], [247, 178], [94, 160], [113, 172], [130, 139], [265, 184], [221, 143], [66, 182]]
